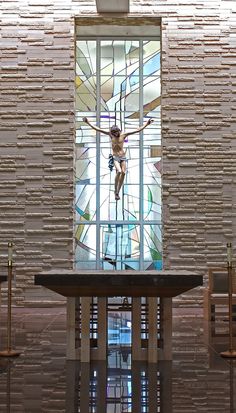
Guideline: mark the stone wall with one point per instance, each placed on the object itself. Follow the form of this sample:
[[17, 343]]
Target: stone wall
[[37, 132]]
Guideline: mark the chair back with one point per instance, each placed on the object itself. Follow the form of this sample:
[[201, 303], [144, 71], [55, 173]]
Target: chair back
[[218, 280]]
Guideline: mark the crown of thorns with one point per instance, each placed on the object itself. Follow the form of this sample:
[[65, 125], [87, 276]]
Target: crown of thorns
[[115, 128]]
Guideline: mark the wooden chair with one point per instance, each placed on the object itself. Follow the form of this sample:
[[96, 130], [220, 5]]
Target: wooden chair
[[216, 300]]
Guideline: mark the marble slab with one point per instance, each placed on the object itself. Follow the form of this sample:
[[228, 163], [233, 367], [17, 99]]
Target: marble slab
[[82, 283]]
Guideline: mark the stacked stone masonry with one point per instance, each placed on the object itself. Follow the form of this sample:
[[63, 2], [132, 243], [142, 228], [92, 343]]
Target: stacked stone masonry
[[37, 132]]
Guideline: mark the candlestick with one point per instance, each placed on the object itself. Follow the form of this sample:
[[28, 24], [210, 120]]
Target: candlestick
[[9, 352], [231, 352]]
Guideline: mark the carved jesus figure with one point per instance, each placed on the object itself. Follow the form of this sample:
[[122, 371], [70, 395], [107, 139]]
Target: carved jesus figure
[[117, 143]]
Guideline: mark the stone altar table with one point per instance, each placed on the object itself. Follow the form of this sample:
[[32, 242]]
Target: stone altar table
[[136, 284]]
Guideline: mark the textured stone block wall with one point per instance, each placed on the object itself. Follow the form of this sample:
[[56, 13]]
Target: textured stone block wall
[[37, 137], [199, 122], [37, 131]]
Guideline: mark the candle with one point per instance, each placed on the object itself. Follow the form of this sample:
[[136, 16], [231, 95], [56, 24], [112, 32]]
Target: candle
[[10, 245]]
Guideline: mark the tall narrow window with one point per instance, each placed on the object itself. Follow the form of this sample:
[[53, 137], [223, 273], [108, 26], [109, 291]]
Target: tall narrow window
[[118, 82]]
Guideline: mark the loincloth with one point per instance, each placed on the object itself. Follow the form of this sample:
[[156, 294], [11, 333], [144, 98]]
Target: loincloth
[[119, 158]]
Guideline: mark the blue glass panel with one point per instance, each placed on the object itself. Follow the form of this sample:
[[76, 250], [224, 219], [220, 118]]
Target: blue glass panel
[[85, 76], [85, 203], [120, 246], [119, 328], [85, 244], [152, 247], [152, 205]]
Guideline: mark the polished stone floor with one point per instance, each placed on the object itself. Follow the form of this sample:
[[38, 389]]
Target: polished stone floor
[[41, 381]]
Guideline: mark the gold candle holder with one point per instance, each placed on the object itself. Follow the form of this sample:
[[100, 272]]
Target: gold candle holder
[[231, 353], [9, 352]]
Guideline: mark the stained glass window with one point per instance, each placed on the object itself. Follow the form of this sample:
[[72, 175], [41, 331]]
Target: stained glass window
[[118, 82]]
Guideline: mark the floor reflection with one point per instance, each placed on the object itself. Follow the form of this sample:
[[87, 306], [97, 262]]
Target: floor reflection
[[40, 380], [125, 387]]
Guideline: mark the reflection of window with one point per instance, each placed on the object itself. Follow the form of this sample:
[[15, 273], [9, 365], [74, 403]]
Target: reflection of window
[[118, 82]]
